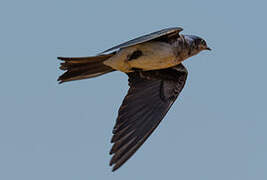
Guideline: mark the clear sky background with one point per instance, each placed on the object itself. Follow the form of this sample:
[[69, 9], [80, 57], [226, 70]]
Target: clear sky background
[[215, 131]]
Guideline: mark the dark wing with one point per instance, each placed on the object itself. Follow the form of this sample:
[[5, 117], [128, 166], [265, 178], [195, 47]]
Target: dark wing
[[149, 98], [158, 34]]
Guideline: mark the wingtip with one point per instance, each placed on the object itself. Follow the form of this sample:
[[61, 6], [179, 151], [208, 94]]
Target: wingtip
[[115, 167], [180, 28]]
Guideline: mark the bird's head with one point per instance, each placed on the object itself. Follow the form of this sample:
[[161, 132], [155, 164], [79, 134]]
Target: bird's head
[[196, 44]]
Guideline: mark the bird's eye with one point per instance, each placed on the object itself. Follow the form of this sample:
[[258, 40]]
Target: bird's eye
[[203, 42]]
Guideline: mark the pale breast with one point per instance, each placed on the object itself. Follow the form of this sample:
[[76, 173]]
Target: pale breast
[[154, 55]]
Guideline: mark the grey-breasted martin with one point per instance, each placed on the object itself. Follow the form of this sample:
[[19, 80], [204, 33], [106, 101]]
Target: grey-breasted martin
[[153, 63]]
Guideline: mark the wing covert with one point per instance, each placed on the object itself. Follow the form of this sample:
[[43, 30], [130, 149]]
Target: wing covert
[[158, 34]]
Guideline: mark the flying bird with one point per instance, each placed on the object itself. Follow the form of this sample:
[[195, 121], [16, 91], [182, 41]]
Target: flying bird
[[156, 76]]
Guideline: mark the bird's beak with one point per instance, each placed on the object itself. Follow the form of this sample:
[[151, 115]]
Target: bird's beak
[[207, 48]]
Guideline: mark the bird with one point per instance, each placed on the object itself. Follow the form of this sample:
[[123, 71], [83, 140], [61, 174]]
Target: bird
[[156, 76]]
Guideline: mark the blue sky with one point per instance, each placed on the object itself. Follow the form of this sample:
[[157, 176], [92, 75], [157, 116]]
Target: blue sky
[[216, 129]]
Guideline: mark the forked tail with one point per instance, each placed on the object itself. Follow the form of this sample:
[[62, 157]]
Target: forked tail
[[83, 67]]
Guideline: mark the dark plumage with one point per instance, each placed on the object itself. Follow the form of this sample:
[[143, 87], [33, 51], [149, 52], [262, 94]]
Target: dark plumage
[[149, 98]]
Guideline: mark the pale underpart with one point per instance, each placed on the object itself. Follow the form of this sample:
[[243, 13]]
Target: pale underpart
[[155, 55]]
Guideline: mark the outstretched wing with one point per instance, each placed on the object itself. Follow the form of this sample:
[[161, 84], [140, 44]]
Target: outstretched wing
[[149, 98], [169, 32]]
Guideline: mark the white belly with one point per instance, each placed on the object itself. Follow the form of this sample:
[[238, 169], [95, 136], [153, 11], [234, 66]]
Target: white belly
[[155, 55]]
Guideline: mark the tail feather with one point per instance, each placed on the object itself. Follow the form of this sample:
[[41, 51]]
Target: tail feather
[[83, 67]]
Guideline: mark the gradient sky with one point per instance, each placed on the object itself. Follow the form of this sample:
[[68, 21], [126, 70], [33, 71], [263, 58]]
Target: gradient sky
[[215, 131]]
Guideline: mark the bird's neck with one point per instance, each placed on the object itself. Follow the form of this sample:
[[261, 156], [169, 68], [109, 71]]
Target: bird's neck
[[182, 48]]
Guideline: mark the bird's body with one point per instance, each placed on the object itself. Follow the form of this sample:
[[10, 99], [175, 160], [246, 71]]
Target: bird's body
[[154, 55], [156, 77]]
